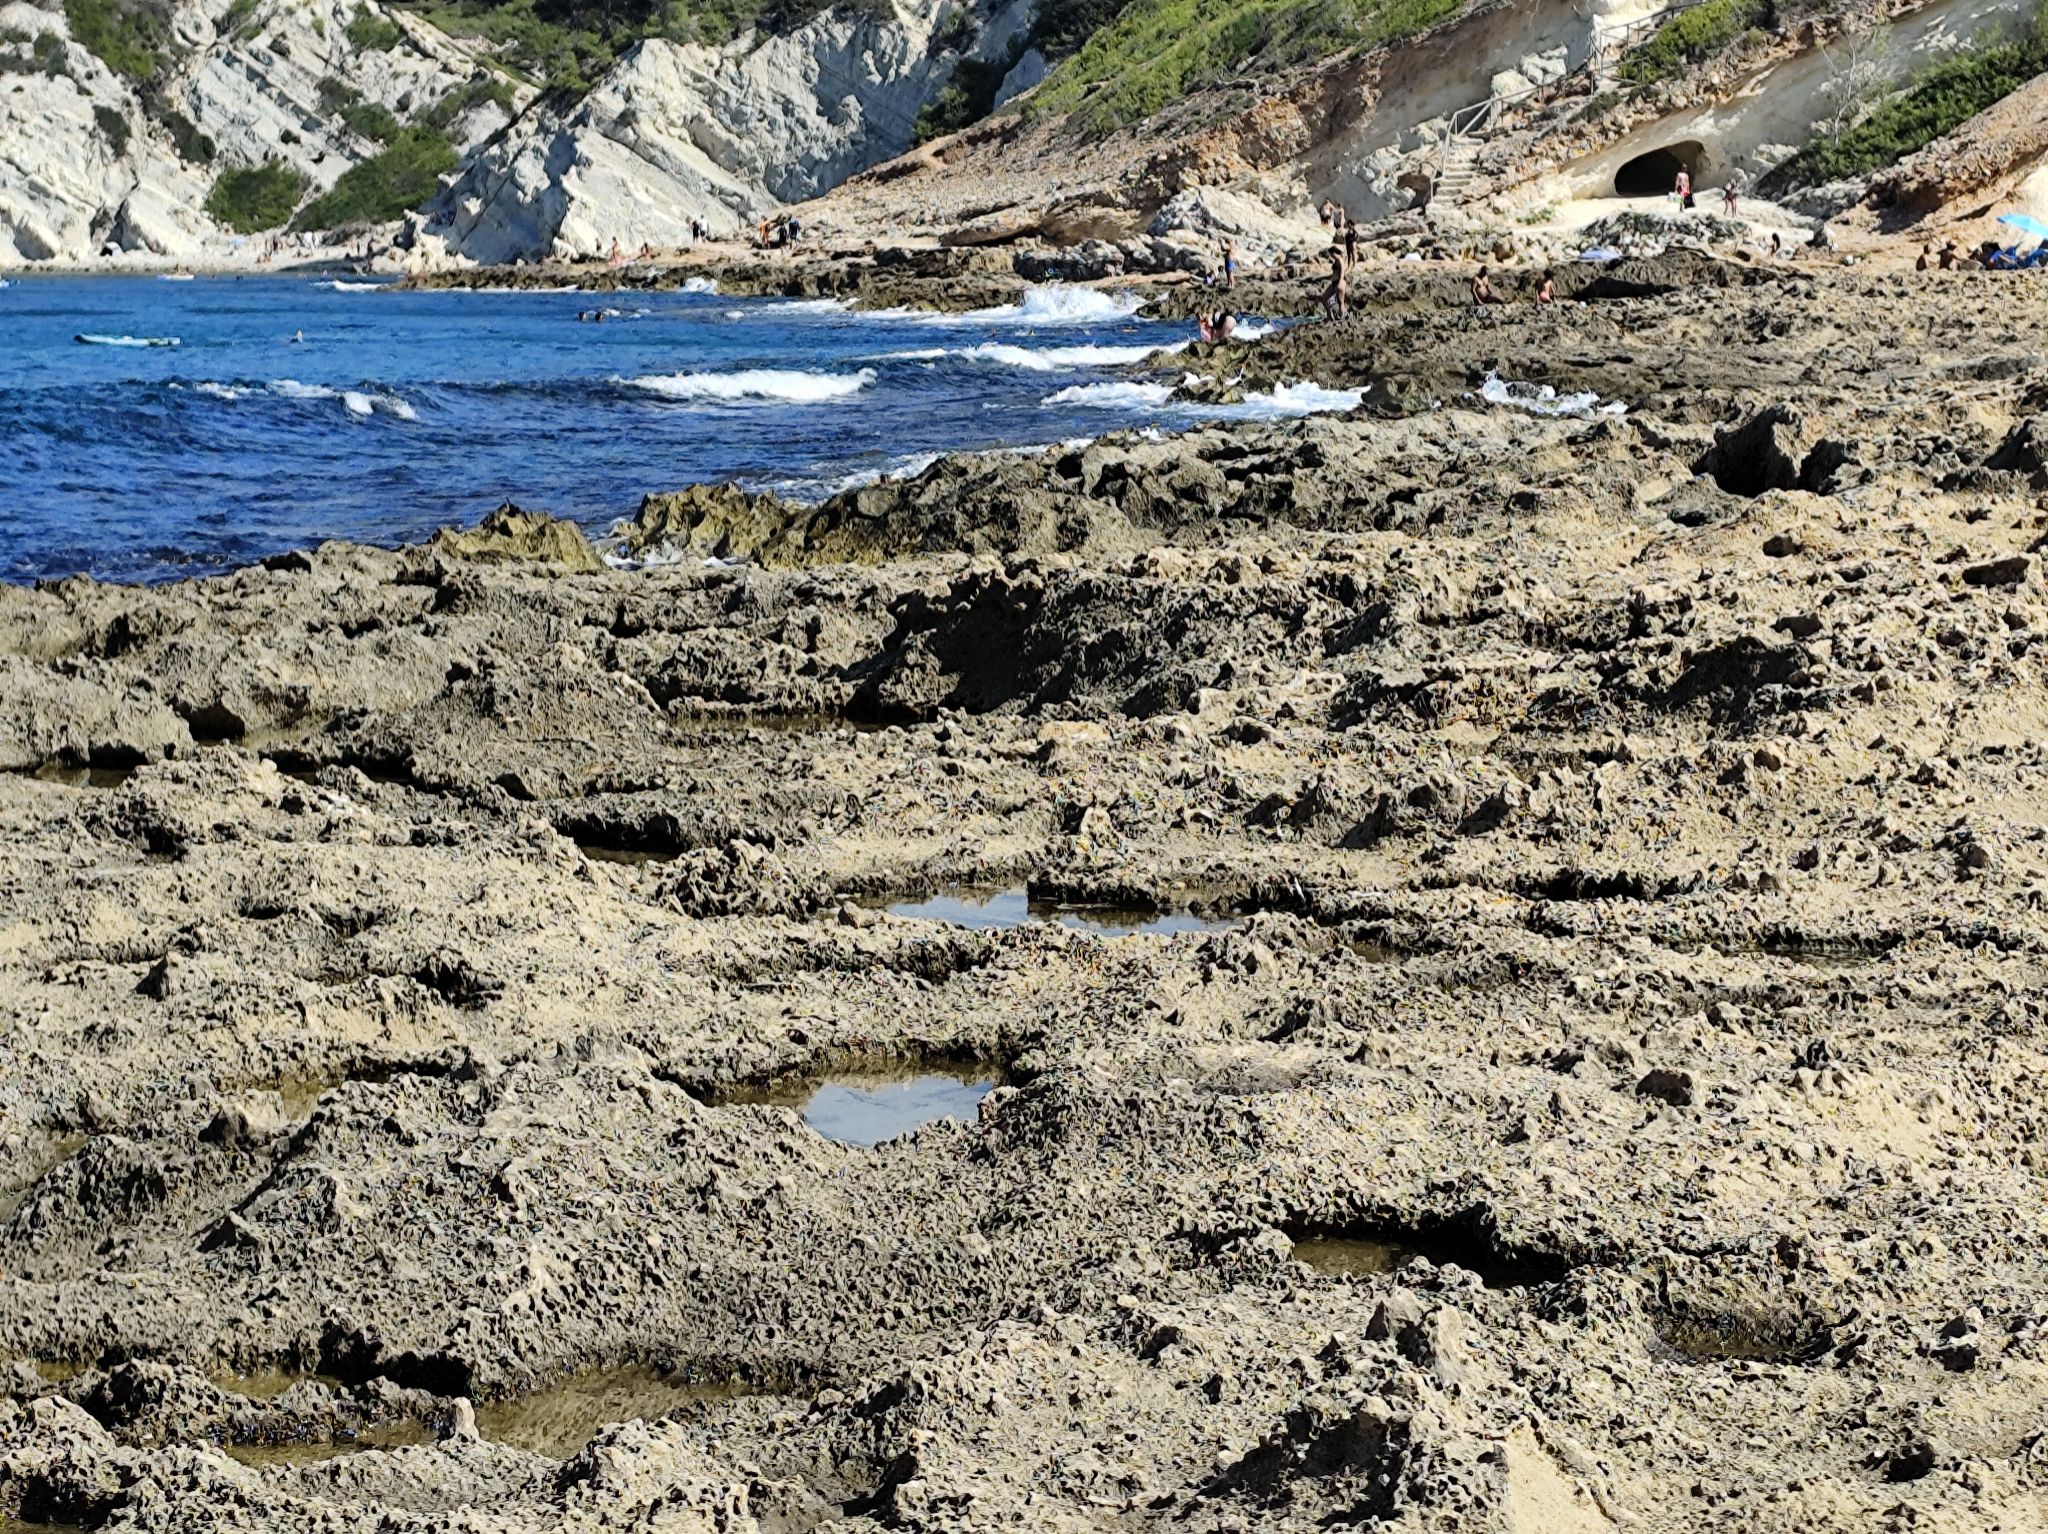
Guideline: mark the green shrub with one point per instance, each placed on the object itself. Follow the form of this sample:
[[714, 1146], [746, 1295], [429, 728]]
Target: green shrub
[[1693, 35], [369, 30], [1947, 95], [335, 96], [194, 147], [1156, 51], [113, 128], [256, 198], [404, 176], [372, 120], [130, 37], [967, 97], [466, 98], [47, 54], [236, 21]]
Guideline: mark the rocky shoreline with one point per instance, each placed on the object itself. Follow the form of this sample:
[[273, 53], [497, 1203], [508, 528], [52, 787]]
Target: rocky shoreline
[[1605, 1092]]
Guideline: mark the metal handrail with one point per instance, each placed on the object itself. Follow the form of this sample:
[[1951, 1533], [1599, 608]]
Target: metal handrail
[[1463, 122]]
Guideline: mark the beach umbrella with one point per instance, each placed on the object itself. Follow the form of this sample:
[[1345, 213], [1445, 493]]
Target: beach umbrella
[[2026, 222]]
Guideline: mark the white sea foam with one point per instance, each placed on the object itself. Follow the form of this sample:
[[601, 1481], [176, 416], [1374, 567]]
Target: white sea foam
[[1048, 359], [1542, 399], [1058, 304], [700, 285], [1113, 396], [812, 306], [1285, 400], [1301, 399], [781, 384], [219, 390], [355, 287], [909, 466], [90, 340], [357, 402]]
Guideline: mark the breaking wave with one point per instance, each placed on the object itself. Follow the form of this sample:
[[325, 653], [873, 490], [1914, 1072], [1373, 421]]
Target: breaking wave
[[782, 384], [357, 402], [1542, 399], [1113, 396], [1047, 359], [89, 340]]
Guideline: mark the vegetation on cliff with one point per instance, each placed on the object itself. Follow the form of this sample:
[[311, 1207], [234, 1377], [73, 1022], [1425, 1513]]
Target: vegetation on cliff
[[255, 197], [1155, 51], [1942, 98], [388, 185]]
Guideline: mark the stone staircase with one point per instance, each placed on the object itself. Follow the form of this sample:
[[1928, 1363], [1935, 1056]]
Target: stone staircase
[[1467, 129]]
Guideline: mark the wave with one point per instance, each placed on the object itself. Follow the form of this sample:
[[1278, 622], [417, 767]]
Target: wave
[[357, 402], [1301, 399], [813, 306], [1284, 400], [786, 385], [1113, 396], [355, 287], [88, 340], [1048, 359], [700, 285], [1058, 304], [1542, 399]]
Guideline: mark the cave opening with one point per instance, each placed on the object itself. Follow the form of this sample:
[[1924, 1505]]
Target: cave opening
[[1652, 174]]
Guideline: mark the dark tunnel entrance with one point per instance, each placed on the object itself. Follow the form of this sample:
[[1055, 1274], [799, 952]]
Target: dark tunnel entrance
[[1651, 175]]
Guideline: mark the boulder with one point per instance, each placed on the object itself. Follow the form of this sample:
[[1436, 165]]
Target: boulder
[[511, 535]]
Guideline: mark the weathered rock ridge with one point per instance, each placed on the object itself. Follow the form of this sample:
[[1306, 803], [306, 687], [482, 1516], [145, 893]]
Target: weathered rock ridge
[[681, 134], [1617, 1106]]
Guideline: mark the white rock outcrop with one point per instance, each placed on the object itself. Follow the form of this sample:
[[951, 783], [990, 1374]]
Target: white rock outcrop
[[676, 133], [86, 166]]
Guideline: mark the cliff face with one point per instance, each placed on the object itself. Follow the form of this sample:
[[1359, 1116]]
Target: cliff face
[[683, 132], [91, 157]]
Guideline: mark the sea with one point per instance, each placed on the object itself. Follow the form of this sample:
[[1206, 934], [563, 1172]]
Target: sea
[[155, 429]]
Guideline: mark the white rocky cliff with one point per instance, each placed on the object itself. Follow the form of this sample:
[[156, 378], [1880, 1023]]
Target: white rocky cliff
[[676, 133], [90, 160]]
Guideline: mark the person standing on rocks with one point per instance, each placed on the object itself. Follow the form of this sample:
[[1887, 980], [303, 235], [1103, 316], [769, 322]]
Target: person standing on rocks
[[1229, 262], [1336, 302], [1682, 188]]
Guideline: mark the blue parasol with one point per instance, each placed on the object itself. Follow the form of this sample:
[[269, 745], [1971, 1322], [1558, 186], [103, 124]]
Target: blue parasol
[[2027, 222]]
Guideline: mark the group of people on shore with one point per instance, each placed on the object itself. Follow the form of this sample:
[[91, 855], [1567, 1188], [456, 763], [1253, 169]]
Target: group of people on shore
[[1990, 256]]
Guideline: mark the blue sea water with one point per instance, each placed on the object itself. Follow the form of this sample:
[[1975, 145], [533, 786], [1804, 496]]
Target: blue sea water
[[398, 413]]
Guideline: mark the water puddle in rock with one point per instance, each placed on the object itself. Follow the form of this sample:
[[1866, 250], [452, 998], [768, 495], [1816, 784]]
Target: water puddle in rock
[[268, 1384], [1001, 909], [1362, 1252], [1759, 1339], [561, 1419], [1351, 1258], [296, 1453], [866, 1107], [629, 857], [82, 777]]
